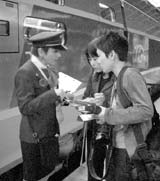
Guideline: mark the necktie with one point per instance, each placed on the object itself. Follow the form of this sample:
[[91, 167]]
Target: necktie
[[52, 76]]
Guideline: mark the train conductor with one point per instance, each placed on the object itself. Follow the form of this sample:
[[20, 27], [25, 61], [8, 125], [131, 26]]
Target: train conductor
[[39, 127]]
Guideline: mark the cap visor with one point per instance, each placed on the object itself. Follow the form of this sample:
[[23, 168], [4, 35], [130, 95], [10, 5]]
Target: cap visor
[[60, 47]]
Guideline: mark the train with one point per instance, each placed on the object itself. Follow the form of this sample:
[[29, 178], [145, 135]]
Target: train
[[19, 19]]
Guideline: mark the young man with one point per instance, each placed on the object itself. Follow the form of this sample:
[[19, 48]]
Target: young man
[[37, 100], [112, 50]]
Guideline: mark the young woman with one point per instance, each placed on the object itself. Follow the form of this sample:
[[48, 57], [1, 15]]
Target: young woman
[[98, 90]]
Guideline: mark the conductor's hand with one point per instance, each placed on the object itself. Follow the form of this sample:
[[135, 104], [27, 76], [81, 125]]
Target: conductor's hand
[[61, 93]]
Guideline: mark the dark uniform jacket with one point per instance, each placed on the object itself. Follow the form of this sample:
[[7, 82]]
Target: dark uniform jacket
[[37, 104]]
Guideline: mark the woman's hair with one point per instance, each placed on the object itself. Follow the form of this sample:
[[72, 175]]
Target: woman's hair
[[91, 50]]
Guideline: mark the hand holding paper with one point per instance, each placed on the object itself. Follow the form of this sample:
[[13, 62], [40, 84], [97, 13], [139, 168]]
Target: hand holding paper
[[90, 111], [61, 93]]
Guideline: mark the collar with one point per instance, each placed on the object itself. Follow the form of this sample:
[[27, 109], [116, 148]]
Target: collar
[[37, 63]]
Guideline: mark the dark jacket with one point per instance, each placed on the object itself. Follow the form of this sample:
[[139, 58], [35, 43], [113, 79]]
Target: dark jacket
[[93, 86], [36, 102]]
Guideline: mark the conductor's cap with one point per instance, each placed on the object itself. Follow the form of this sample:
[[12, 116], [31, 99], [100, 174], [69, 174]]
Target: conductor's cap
[[49, 39]]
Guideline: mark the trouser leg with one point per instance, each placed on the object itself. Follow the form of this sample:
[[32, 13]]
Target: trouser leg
[[122, 164]]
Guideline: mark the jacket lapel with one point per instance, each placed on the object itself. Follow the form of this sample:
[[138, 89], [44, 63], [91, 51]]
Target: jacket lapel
[[41, 81], [36, 71]]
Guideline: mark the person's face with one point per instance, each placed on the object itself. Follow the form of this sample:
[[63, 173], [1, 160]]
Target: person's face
[[51, 57], [106, 63], [94, 64]]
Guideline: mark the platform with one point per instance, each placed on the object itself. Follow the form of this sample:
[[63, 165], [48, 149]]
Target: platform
[[80, 174]]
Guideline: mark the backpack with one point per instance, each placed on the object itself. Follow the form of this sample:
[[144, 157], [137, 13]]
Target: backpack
[[146, 159]]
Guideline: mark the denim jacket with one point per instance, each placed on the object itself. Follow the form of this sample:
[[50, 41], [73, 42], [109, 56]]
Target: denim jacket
[[140, 112]]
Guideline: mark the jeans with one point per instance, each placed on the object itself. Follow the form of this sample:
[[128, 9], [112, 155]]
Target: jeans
[[120, 166]]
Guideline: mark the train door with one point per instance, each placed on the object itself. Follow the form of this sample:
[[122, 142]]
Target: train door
[[8, 27], [9, 50], [9, 47]]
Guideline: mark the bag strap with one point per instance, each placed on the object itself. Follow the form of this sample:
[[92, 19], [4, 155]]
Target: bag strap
[[108, 155], [91, 167], [126, 103], [120, 90]]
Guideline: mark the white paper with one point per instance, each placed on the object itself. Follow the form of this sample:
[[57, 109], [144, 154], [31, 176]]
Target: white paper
[[87, 117], [68, 83]]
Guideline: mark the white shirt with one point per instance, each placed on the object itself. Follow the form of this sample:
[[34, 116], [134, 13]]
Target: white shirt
[[39, 65]]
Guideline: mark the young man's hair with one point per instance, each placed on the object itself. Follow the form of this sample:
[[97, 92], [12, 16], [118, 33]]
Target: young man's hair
[[114, 41]]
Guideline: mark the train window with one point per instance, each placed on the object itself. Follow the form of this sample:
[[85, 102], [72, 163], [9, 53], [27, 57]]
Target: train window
[[60, 2], [4, 28], [107, 12], [35, 25]]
